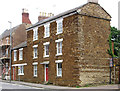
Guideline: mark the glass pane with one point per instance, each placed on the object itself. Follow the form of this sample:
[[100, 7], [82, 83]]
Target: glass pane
[[59, 65], [59, 27], [35, 52], [59, 71], [47, 49], [59, 47], [46, 65]]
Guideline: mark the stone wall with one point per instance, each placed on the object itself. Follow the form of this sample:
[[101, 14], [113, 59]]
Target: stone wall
[[85, 44], [69, 36], [93, 44]]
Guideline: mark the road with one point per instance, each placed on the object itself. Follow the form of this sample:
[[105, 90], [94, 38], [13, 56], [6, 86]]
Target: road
[[17, 87], [10, 86]]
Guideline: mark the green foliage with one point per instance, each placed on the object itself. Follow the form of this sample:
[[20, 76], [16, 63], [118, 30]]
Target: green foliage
[[110, 52], [77, 86], [115, 34]]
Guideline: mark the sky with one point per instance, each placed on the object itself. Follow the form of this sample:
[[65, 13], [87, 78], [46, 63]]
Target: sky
[[11, 10]]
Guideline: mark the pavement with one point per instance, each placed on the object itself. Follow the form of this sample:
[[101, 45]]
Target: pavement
[[113, 86]]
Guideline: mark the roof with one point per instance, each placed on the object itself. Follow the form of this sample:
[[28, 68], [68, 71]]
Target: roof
[[57, 16], [74, 10], [23, 44], [6, 33]]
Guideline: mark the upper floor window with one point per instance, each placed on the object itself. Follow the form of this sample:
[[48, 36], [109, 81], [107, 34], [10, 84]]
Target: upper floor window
[[21, 54], [35, 34], [35, 53], [59, 26], [46, 49], [59, 46], [47, 30], [15, 55]]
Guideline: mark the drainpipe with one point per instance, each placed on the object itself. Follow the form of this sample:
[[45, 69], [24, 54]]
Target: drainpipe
[[111, 60], [10, 46]]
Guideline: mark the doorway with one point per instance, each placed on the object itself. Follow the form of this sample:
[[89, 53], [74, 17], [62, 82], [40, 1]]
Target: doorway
[[46, 72]]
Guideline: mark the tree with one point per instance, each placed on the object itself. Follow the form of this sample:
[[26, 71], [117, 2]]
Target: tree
[[114, 36]]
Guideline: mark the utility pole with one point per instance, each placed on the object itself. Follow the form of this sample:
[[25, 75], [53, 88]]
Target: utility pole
[[10, 46]]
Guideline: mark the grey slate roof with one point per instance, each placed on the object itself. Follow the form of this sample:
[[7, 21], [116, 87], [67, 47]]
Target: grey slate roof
[[57, 16], [74, 10], [23, 44]]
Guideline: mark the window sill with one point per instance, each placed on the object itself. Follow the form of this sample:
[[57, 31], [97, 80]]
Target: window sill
[[58, 76], [35, 39], [59, 54], [46, 56], [46, 36], [20, 59], [34, 76], [59, 33], [35, 58], [21, 74]]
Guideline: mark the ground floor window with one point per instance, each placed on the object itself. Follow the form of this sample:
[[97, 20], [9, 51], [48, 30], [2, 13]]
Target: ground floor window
[[20, 70], [59, 69], [35, 71]]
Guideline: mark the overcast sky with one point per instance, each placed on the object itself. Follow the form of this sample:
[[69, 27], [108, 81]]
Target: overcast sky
[[11, 10]]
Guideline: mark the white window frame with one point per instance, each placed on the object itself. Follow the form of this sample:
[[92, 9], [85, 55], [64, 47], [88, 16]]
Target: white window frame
[[35, 70], [35, 33], [35, 47], [21, 70], [46, 44], [59, 26], [21, 54], [46, 30], [59, 41], [59, 74], [15, 55]]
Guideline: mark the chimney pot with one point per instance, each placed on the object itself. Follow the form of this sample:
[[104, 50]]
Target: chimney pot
[[45, 14], [94, 1], [42, 13], [24, 10]]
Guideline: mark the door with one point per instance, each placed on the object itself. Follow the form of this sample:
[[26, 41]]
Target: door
[[14, 73], [46, 72]]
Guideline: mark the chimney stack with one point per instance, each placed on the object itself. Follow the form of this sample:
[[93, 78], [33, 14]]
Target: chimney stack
[[44, 15], [25, 16], [94, 1]]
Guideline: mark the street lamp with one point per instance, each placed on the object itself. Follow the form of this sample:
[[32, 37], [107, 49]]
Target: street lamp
[[10, 46]]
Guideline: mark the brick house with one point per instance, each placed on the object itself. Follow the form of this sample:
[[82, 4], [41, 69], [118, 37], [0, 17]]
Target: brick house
[[17, 32], [68, 49]]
